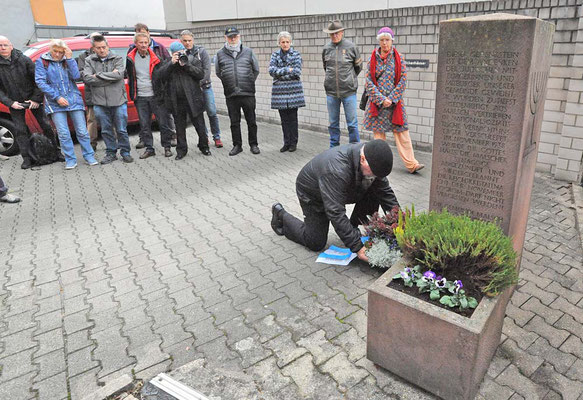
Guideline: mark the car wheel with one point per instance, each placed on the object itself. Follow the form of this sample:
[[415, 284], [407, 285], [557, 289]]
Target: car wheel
[[8, 145]]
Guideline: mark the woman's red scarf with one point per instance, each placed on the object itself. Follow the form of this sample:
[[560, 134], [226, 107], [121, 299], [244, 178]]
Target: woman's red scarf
[[374, 110]]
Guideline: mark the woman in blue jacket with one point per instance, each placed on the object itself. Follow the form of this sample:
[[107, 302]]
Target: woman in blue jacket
[[56, 73], [287, 93]]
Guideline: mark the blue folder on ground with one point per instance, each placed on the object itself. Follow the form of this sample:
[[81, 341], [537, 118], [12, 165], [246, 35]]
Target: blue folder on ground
[[337, 255]]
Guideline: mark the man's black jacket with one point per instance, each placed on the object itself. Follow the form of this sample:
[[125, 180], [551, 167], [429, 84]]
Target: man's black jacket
[[333, 179], [179, 82], [238, 74], [17, 80]]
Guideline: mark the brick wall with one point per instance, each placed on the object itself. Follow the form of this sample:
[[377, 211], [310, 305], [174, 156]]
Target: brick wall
[[416, 30]]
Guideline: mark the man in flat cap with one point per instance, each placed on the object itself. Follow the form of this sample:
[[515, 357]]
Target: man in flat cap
[[352, 173], [238, 69], [342, 64]]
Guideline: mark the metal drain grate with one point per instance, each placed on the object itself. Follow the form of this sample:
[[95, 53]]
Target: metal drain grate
[[176, 389]]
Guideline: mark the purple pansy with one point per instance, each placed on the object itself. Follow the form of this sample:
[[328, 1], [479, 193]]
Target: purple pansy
[[429, 275]]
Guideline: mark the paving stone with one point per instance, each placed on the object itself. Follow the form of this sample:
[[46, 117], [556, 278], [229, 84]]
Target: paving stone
[[573, 345], [17, 364], [548, 377], [319, 347], [310, 383], [555, 336], [268, 377], [18, 388], [251, 351], [53, 388], [512, 378], [561, 361], [343, 371], [525, 362], [523, 337], [535, 306], [352, 344], [50, 364]]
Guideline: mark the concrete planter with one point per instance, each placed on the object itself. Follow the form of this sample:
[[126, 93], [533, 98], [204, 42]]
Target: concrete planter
[[436, 349]]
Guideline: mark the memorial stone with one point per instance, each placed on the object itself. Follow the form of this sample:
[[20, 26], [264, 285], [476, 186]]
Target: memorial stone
[[491, 85]]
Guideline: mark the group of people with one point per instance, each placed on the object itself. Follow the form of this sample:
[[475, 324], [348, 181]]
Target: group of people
[[176, 83]]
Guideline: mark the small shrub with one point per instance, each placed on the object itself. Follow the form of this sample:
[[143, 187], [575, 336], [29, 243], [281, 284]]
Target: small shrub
[[459, 247], [383, 253], [382, 226]]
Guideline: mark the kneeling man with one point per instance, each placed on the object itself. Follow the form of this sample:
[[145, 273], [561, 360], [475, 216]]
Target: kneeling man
[[353, 173]]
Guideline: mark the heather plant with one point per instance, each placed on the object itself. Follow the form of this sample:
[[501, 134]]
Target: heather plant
[[457, 246], [382, 226]]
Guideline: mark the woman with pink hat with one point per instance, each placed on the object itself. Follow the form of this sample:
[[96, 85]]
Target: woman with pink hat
[[386, 78]]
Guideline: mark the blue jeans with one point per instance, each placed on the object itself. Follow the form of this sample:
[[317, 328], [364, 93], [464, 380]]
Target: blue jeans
[[67, 146], [109, 117], [211, 111], [350, 106]]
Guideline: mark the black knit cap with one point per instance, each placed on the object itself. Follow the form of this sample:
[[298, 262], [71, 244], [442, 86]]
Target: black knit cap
[[379, 157]]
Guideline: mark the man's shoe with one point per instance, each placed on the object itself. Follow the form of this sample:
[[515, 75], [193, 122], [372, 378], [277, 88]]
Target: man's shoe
[[419, 167], [236, 150], [26, 163], [71, 165], [9, 198], [108, 159], [94, 146], [173, 141], [180, 156], [4, 158], [276, 218], [284, 148], [205, 151], [140, 145], [218, 143], [60, 157], [91, 161], [168, 152], [255, 149], [147, 154], [292, 148], [127, 159]]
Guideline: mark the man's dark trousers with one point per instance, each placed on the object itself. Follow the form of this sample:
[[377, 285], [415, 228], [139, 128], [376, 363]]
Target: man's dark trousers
[[22, 136], [3, 188], [198, 122], [234, 106], [147, 106], [313, 231]]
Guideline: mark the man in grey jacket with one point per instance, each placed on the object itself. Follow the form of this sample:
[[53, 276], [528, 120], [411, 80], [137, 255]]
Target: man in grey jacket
[[342, 63], [238, 68], [104, 72]]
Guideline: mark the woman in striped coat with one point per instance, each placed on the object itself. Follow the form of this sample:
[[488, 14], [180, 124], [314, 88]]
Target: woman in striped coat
[[287, 93]]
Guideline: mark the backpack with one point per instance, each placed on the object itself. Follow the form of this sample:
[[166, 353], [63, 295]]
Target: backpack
[[41, 150]]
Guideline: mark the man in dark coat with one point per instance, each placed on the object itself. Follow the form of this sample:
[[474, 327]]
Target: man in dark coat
[[353, 173], [181, 75], [17, 86], [238, 68]]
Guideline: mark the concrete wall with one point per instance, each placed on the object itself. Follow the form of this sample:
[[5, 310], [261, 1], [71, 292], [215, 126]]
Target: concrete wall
[[19, 27], [417, 30], [107, 13]]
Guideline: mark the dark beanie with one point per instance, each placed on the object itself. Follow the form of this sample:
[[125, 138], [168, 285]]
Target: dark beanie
[[379, 157]]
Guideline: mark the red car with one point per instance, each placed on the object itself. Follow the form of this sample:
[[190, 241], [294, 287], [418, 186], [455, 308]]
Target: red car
[[118, 43]]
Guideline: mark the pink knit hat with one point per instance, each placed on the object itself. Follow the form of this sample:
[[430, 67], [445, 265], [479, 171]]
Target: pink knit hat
[[386, 31]]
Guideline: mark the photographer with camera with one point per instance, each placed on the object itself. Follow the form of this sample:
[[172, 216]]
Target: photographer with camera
[[181, 75], [18, 91]]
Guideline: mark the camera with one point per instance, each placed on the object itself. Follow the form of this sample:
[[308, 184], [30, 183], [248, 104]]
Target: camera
[[183, 57]]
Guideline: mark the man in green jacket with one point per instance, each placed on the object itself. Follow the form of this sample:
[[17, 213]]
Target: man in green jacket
[[342, 63]]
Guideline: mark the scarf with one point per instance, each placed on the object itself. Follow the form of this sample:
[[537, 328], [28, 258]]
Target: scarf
[[374, 110], [234, 49]]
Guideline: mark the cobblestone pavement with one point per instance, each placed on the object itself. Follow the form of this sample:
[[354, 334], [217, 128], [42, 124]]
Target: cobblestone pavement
[[142, 268]]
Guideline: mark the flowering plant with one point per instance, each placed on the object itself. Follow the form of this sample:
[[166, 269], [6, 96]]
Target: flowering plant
[[382, 248], [437, 286]]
